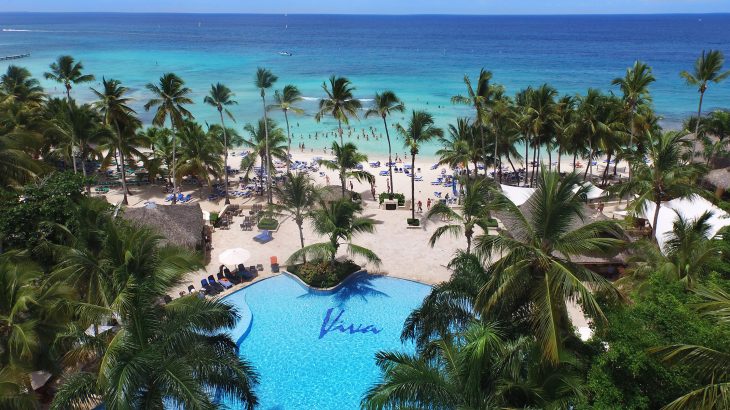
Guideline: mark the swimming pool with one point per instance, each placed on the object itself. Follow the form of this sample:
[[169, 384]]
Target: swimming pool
[[315, 350]]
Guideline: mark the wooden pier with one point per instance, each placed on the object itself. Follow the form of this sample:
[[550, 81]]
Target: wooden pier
[[14, 57]]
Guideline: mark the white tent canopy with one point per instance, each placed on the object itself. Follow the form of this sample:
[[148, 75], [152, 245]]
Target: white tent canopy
[[690, 208], [518, 195], [594, 192]]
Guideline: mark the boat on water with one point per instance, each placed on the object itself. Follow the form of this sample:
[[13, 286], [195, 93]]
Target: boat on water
[[285, 53]]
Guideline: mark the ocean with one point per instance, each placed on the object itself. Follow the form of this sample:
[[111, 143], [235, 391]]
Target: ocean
[[422, 58]]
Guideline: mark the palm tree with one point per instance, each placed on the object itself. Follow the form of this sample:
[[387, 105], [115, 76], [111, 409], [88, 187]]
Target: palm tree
[[199, 153], [340, 103], [16, 166], [474, 213], [664, 178], [564, 117], [542, 113], [420, 129], [286, 101], [339, 222], [32, 312], [264, 80], [347, 159], [79, 128], [296, 196], [18, 85], [480, 100], [707, 364], [588, 125], [635, 87], [690, 248], [533, 267], [170, 97], [113, 103], [276, 142], [717, 124], [457, 148], [707, 69], [67, 71], [385, 104], [220, 97], [160, 141], [159, 355], [479, 368]]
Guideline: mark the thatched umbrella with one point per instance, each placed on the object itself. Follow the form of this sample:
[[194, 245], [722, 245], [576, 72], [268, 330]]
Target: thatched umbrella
[[181, 225]]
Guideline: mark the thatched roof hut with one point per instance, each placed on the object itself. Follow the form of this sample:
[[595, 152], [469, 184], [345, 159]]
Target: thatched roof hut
[[181, 225], [718, 178], [333, 193]]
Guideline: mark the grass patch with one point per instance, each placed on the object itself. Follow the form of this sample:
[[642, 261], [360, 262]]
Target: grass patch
[[268, 223], [320, 274]]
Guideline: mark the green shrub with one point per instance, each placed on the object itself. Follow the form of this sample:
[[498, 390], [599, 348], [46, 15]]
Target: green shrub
[[413, 222], [268, 223], [213, 218], [321, 275], [491, 223], [396, 195]]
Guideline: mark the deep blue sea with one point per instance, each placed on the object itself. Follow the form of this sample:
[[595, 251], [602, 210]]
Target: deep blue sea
[[422, 58]]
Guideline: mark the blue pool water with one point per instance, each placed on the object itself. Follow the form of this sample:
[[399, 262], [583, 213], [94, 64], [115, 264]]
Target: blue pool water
[[302, 368]]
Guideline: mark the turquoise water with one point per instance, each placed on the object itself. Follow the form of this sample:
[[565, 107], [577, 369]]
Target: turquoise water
[[302, 368], [422, 58]]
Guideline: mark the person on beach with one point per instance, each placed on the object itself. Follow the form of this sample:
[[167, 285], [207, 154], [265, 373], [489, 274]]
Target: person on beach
[[428, 204], [420, 206], [327, 179], [351, 188]]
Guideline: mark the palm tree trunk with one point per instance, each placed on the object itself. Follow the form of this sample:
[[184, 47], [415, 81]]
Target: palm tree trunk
[[575, 158], [496, 141], [121, 161], [83, 170], [390, 155], [631, 140], [288, 147], [527, 157], [484, 145], [124, 176], [268, 157], [550, 158], [534, 164], [560, 154], [512, 165], [608, 167], [174, 162], [342, 166], [589, 165], [413, 186], [468, 242], [697, 124], [656, 218], [225, 155], [300, 222]]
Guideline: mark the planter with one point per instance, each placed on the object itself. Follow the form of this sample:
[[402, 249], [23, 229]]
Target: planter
[[413, 222]]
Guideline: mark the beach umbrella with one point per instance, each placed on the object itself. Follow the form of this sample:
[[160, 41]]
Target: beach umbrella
[[234, 256]]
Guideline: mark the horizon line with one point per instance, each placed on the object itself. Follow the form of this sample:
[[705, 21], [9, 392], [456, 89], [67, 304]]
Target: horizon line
[[372, 14]]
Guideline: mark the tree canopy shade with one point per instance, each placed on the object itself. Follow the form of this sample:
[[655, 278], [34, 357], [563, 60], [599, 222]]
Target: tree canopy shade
[[385, 104], [286, 100]]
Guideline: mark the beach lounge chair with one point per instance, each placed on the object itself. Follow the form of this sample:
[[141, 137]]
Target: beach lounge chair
[[230, 276], [209, 290], [212, 282], [384, 173], [263, 237], [418, 178], [434, 166]]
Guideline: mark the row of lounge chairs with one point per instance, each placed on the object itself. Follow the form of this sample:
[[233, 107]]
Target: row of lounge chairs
[[226, 279], [180, 198]]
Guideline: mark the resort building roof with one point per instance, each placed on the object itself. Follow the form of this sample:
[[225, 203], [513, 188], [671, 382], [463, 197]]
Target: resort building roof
[[181, 225]]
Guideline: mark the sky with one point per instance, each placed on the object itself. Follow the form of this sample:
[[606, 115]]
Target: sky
[[375, 6]]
